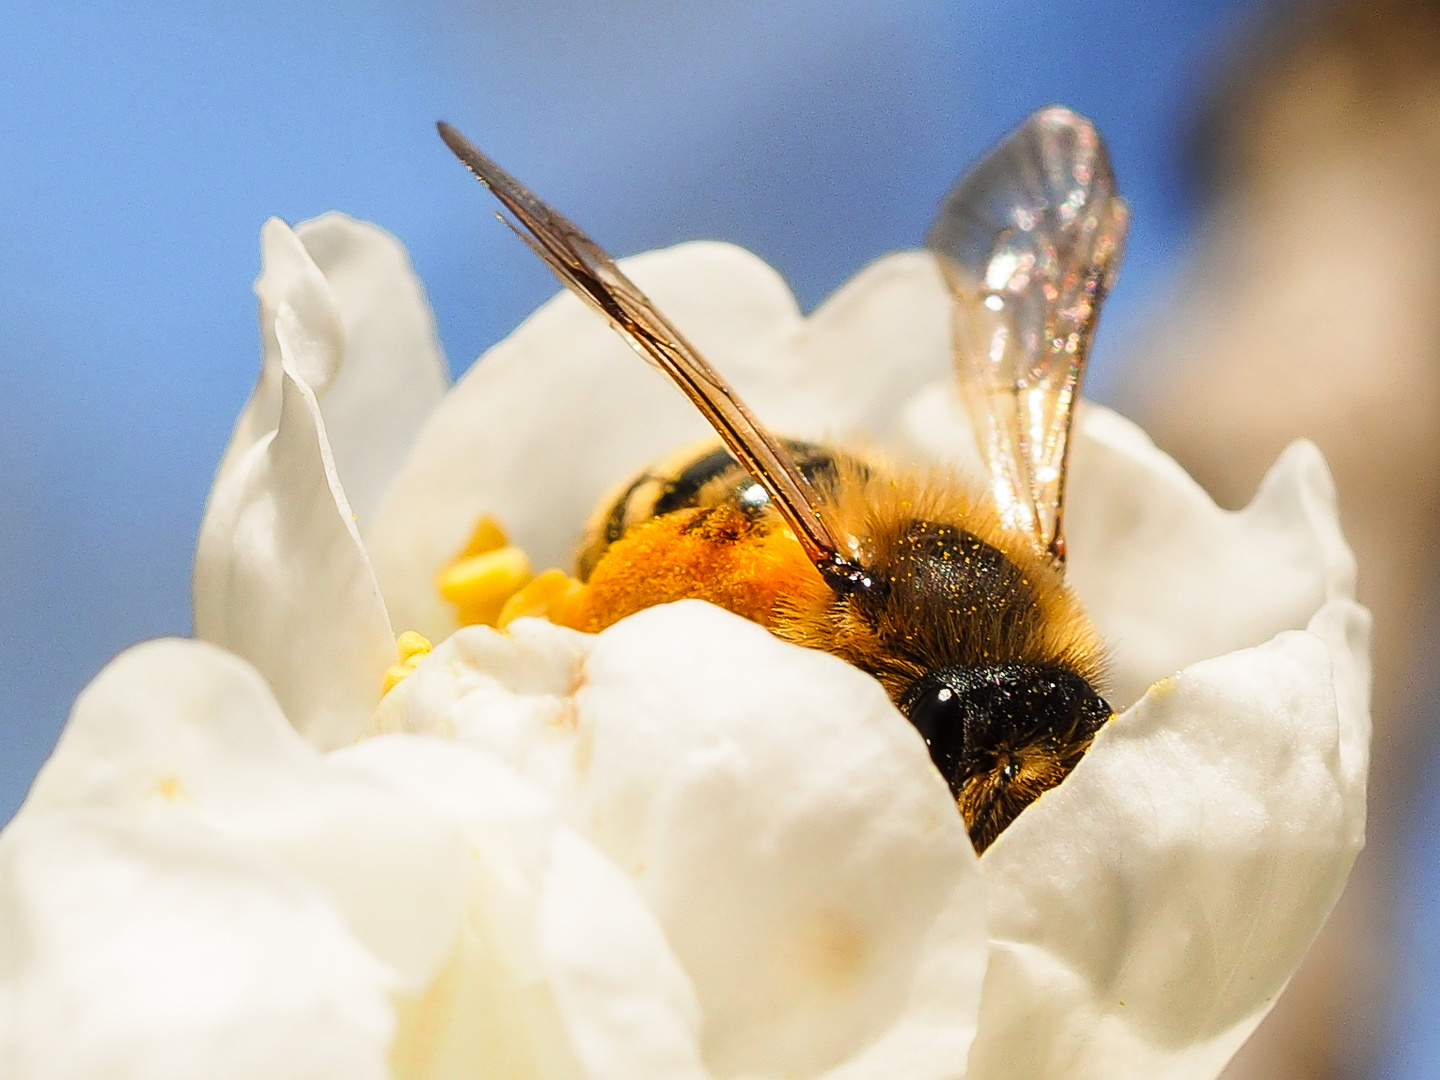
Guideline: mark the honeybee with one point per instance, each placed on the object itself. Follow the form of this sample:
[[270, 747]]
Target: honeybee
[[951, 595]]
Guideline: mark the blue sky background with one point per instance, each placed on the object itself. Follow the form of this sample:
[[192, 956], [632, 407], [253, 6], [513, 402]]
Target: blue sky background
[[142, 146]]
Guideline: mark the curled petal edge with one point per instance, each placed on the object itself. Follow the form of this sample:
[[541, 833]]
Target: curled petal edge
[[281, 575], [1146, 914]]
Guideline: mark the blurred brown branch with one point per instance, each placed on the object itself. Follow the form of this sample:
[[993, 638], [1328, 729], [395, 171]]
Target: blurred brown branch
[[1314, 310]]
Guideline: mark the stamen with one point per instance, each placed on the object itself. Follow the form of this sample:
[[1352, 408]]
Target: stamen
[[489, 535], [486, 573], [491, 583], [480, 585], [411, 644], [554, 595], [412, 648]]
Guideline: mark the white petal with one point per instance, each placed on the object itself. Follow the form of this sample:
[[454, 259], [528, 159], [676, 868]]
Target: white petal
[[181, 731], [379, 370], [393, 373], [558, 413], [935, 426], [288, 276], [786, 824], [629, 1007], [562, 967], [1344, 627], [1147, 911], [1168, 577], [782, 820], [848, 370], [511, 693], [934, 1033], [281, 577], [134, 952]]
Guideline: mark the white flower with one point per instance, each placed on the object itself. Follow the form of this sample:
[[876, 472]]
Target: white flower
[[680, 848]]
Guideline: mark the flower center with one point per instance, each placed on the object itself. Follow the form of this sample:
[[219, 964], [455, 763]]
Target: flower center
[[491, 583]]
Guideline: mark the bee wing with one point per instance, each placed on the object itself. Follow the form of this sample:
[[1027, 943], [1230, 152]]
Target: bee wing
[[586, 270], [1030, 241]]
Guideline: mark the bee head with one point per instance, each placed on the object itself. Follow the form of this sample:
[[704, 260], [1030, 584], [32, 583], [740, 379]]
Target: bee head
[[1003, 733]]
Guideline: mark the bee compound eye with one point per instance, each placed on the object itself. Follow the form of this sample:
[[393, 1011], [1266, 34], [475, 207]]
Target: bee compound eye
[[938, 713]]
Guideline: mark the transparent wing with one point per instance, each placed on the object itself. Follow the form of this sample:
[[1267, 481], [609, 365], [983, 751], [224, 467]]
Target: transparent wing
[[1030, 241], [590, 273]]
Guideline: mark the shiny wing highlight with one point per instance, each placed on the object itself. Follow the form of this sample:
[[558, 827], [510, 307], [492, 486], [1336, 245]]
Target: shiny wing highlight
[[590, 273], [1030, 241]]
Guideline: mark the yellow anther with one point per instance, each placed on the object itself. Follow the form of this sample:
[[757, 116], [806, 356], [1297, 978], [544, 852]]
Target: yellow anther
[[411, 644], [394, 676], [480, 585], [488, 536], [411, 648], [552, 595]]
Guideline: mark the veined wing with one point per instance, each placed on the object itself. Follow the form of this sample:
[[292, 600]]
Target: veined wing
[[591, 274], [1030, 241]]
